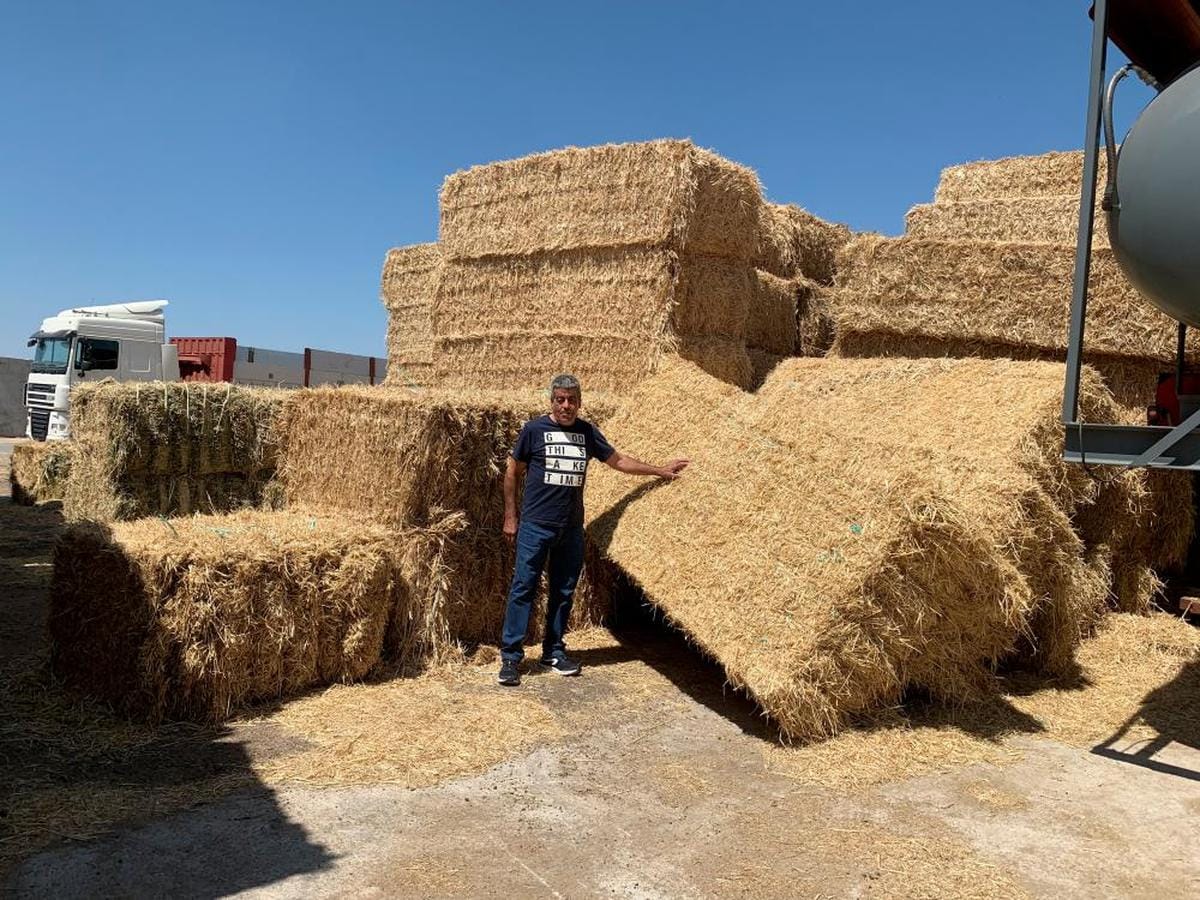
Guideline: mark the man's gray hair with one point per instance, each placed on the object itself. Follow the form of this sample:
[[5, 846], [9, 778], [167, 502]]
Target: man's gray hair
[[565, 383]]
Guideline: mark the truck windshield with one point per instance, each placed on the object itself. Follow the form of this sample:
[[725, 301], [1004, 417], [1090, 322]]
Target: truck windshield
[[51, 355]]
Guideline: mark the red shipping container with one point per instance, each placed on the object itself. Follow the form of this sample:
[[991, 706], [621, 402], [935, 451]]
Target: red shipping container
[[206, 358]]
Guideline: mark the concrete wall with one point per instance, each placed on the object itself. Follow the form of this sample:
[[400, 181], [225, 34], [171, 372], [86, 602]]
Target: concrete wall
[[13, 373]]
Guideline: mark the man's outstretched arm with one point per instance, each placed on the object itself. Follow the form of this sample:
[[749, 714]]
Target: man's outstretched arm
[[514, 471], [630, 466]]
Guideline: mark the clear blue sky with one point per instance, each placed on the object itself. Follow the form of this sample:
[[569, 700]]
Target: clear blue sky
[[253, 161]]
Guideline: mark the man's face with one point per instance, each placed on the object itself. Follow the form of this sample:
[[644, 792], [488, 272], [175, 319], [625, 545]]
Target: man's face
[[564, 405]]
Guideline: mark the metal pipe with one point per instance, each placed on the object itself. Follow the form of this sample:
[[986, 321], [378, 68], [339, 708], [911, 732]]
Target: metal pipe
[[1110, 143], [1087, 208]]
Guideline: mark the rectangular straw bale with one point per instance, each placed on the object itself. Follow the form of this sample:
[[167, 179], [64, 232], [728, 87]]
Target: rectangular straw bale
[[195, 617], [516, 360], [607, 316], [1047, 175], [840, 538], [433, 462], [712, 297], [814, 320], [1009, 293], [610, 291], [1028, 220], [792, 242], [774, 310], [407, 286], [661, 194], [1132, 380], [195, 447], [38, 470], [410, 349], [409, 274]]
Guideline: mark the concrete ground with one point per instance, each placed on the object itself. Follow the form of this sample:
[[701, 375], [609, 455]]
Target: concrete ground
[[656, 783]]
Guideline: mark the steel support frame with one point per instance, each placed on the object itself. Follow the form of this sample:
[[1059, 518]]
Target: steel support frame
[[1117, 445]]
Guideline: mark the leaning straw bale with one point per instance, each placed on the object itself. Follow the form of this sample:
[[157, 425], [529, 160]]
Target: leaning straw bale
[[407, 287], [156, 448], [1027, 220], [792, 242], [665, 194], [195, 617], [1047, 175], [38, 470], [988, 293], [840, 538]]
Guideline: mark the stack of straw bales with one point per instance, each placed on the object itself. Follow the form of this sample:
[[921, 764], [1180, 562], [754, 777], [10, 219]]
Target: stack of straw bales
[[432, 462], [794, 264], [193, 617], [409, 278], [987, 271], [860, 527], [604, 260], [38, 471], [169, 448]]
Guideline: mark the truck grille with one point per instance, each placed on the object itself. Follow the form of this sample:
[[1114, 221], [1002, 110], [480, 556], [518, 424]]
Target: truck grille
[[39, 395], [39, 423]]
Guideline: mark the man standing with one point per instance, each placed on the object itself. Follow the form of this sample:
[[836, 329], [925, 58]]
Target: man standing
[[552, 453]]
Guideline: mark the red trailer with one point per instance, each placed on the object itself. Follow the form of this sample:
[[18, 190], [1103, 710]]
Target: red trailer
[[206, 358]]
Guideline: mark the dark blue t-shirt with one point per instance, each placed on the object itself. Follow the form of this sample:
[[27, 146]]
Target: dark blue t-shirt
[[557, 456]]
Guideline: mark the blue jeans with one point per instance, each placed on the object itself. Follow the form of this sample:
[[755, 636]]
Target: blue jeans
[[563, 546]]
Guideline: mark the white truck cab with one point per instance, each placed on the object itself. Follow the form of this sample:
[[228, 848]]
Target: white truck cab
[[124, 341]]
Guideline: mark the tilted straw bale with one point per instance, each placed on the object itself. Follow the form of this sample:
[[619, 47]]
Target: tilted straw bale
[[1029, 220], [1047, 175], [194, 617], [38, 470], [665, 194], [427, 462], [407, 287], [156, 448], [792, 242], [859, 527], [987, 293]]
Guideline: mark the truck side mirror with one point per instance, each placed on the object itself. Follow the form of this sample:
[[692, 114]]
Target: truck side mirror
[[85, 365]]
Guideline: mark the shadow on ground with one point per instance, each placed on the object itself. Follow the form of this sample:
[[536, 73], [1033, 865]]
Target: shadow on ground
[[72, 772], [1173, 711]]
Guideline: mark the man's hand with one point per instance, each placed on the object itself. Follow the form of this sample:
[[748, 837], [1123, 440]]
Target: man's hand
[[510, 528], [672, 469]]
